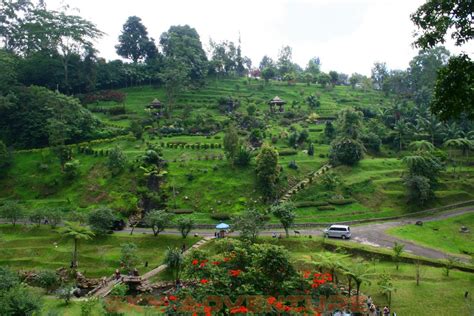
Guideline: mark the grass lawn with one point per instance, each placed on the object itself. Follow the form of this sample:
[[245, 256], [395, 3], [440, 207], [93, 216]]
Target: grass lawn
[[443, 234], [33, 248]]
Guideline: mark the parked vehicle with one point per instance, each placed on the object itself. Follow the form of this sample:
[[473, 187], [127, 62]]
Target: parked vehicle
[[338, 231]]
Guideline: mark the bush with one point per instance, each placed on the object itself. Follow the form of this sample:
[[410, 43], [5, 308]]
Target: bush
[[243, 157], [326, 208], [293, 165], [346, 151], [47, 280], [71, 169], [220, 216], [101, 220], [372, 141], [311, 203], [287, 152], [341, 201]]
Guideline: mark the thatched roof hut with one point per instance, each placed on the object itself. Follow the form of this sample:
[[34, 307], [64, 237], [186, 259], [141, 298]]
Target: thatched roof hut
[[276, 101]]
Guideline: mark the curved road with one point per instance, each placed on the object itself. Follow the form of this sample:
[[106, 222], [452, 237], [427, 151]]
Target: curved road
[[372, 234]]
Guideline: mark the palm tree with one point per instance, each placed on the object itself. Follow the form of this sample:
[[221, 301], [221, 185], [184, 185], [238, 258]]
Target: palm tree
[[401, 129], [361, 273], [421, 146], [451, 131], [331, 262], [174, 260], [463, 144], [432, 126], [76, 232]]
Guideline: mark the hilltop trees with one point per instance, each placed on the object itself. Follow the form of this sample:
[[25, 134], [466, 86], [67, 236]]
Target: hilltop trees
[[134, 43], [181, 44], [34, 109], [34, 28], [267, 171]]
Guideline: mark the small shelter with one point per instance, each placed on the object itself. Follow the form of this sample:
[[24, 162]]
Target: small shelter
[[276, 101], [155, 104], [156, 107], [222, 229]]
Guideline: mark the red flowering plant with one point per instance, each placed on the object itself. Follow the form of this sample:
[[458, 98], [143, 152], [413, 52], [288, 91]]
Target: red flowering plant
[[240, 271]]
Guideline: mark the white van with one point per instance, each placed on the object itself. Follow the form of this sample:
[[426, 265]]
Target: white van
[[339, 231]]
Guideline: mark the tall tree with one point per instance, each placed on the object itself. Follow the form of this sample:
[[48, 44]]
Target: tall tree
[[285, 63], [56, 31], [314, 66], [175, 77], [231, 143], [77, 233], [267, 170], [183, 43], [134, 42], [379, 74], [454, 90], [434, 19], [285, 212]]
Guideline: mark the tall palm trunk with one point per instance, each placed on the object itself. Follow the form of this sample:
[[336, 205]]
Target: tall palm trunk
[[74, 255]]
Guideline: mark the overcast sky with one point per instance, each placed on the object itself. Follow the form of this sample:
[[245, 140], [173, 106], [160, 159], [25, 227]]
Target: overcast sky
[[347, 35]]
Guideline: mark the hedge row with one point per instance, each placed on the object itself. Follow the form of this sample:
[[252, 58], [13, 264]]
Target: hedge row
[[311, 203], [287, 152], [84, 144], [220, 216], [185, 145], [326, 208], [341, 201]]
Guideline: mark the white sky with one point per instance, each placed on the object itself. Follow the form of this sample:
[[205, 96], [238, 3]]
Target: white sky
[[347, 35]]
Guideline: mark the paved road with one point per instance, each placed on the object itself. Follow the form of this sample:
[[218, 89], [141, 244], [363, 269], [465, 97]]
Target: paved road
[[372, 234]]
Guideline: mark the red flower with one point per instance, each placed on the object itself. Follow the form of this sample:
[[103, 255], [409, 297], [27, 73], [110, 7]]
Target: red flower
[[172, 298], [202, 264], [207, 310], [195, 261], [279, 305], [240, 309], [216, 263], [234, 273], [204, 281], [271, 300], [287, 308], [306, 274], [226, 259]]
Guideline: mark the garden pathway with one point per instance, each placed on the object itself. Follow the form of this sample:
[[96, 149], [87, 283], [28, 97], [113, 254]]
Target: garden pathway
[[103, 291], [311, 177]]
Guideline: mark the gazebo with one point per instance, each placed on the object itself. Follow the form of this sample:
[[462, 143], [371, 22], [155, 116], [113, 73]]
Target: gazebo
[[276, 101], [156, 107]]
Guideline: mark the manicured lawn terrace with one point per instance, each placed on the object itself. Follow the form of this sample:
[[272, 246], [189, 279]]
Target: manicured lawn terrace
[[32, 248], [443, 234]]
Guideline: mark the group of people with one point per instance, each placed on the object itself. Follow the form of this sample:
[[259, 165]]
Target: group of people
[[375, 310]]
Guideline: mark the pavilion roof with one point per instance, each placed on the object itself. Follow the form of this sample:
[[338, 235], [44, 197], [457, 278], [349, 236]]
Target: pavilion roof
[[277, 100]]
